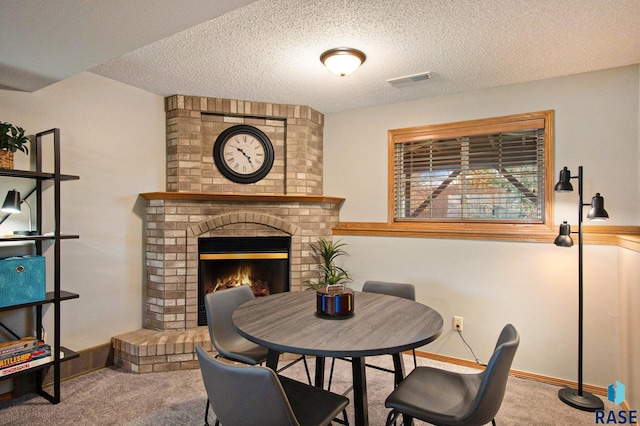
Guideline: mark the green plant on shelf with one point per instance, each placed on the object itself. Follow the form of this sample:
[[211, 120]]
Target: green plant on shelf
[[12, 138]]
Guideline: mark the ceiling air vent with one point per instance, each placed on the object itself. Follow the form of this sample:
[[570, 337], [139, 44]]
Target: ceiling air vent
[[409, 79]]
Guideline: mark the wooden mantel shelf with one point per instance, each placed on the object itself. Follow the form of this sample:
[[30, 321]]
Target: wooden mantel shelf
[[221, 196]]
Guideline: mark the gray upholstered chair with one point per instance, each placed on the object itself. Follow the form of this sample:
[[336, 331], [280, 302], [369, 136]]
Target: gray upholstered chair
[[446, 398], [229, 344], [255, 395], [406, 291], [219, 307]]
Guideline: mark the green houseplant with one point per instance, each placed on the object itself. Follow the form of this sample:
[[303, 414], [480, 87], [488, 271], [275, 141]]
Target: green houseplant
[[12, 139], [327, 252]]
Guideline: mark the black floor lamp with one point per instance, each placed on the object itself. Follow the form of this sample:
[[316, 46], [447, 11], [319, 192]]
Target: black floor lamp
[[578, 398]]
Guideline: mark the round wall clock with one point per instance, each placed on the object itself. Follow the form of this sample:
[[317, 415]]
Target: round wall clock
[[243, 154]]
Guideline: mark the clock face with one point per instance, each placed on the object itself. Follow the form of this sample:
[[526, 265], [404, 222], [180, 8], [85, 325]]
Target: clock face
[[243, 154]]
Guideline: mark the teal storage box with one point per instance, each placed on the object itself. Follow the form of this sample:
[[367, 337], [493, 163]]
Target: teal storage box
[[22, 280]]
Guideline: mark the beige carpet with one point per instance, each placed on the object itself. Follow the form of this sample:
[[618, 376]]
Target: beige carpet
[[112, 397]]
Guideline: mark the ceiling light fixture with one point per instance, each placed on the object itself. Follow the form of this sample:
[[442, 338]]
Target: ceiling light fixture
[[342, 61]]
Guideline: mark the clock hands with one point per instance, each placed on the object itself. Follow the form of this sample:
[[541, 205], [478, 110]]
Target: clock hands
[[245, 154]]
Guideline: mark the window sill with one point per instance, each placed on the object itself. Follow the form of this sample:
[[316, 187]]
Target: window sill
[[622, 236]]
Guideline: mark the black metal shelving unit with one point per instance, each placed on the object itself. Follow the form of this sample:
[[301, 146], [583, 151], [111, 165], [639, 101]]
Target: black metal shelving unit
[[55, 297]]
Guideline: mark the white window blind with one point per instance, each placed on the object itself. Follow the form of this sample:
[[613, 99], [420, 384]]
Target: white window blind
[[497, 176]]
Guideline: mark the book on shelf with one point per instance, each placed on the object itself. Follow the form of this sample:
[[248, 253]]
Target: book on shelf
[[15, 346], [40, 356], [26, 365], [41, 351]]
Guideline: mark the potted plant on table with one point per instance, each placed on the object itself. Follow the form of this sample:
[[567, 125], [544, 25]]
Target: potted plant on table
[[333, 299], [12, 139], [327, 252]]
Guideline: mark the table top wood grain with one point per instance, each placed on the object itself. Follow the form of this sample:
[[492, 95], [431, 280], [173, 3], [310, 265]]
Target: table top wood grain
[[381, 324]]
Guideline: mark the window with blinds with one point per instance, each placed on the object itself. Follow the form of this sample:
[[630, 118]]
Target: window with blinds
[[492, 170]]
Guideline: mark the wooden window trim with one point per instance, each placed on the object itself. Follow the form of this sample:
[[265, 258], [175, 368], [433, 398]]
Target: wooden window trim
[[477, 230]]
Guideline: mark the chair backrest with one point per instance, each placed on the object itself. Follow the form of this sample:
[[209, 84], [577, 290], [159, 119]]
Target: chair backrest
[[244, 394], [406, 291], [494, 379], [219, 307]]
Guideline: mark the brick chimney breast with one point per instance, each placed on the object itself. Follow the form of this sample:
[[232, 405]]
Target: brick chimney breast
[[200, 202]]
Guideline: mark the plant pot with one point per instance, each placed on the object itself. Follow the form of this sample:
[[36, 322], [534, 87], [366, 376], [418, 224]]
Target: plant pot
[[6, 160]]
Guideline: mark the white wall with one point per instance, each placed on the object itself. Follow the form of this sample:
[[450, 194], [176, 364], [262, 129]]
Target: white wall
[[629, 295], [113, 137], [533, 286]]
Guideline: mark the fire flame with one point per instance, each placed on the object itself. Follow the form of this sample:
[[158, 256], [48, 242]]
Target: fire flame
[[242, 276]]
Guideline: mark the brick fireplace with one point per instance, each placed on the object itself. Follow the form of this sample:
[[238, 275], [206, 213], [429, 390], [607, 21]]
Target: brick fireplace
[[201, 203]]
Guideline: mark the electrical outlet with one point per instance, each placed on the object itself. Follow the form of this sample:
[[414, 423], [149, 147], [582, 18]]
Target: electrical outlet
[[457, 323]]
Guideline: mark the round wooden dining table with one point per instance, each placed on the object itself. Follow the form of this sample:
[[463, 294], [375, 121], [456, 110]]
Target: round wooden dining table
[[381, 324]]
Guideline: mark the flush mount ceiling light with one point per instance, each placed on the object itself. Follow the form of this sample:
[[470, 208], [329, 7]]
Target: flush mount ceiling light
[[342, 61]]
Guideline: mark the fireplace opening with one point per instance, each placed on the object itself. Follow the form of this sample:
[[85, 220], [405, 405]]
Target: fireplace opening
[[225, 262]]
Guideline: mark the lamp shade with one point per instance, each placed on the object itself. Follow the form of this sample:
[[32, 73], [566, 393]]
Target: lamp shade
[[12, 202], [564, 183], [342, 61], [564, 237], [597, 211]]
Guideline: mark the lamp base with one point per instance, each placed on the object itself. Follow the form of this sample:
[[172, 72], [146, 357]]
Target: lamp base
[[584, 402]]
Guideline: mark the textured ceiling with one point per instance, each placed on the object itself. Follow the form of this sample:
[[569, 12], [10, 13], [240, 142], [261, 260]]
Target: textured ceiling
[[269, 50], [45, 41]]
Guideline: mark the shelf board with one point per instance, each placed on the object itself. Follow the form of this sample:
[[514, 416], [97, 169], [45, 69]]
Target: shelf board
[[68, 354], [64, 295], [35, 175], [49, 298], [36, 237]]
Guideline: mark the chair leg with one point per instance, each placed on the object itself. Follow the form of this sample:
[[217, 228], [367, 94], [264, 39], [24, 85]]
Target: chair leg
[[346, 419], [415, 360], [391, 417], [206, 414], [493, 422], [306, 368], [333, 363]]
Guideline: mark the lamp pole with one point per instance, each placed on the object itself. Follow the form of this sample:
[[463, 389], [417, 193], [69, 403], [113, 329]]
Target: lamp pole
[[580, 285], [579, 398]]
